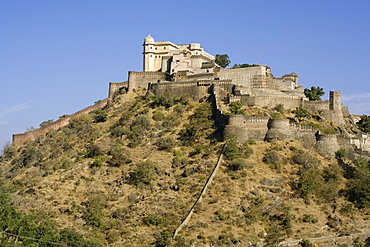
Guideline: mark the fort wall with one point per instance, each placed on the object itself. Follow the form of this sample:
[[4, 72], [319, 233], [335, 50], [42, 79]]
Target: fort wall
[[20, 139], [316, 106], [246, 128], [142, 79], [242, 76], [290, 102], [181, 89], [327, 145], [114, 86]]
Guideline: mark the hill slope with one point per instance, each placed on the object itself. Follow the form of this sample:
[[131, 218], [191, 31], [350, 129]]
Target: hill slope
[[128, 175]]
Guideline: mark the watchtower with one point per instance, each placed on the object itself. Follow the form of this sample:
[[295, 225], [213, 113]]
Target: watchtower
[[335, 101]]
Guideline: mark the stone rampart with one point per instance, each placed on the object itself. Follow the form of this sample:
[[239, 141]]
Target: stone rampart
[[279, 130], [281, 84], [316, 106], [206, 76], [242, 76], [327, 145], [289, 102], [247, 100], [113, 86], [221, 120], [246, 128], [20, 139], [142, 79], [193, 89]]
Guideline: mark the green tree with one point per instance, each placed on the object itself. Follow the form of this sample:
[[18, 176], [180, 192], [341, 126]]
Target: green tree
[[314, 93], [47, 122], [94, 213], [358, 188], [200, 122], [222, 60], [364, 123]]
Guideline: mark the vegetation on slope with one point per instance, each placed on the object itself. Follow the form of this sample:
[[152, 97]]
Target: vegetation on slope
[[128, 175]]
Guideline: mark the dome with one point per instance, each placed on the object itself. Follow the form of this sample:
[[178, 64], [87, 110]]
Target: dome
[[149, 39]]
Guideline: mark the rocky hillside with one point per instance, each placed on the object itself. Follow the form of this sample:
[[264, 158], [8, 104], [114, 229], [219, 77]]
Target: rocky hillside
[[128, 175]]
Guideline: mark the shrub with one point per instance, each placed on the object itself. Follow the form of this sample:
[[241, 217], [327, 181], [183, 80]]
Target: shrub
[[274, 236], [99, 161], [144, 173], [93, 150], [279, 108], [163, 238], [99, 116], [66, 163], [347, 209], [119, 155], [152, 219], [158, 115], [178, 159], [221, 215], [303, 158], [309, 218], [30, 156], [310, 182], [140, 123], [358, 189], [236, 108], [94, 213], [340, 154], [305, 243], [81, 125], [273, 159], [167, 101], [200, 122], [301, 113], [362, 163], [166, 143], [232, 150], [255, 211], [237, 165]]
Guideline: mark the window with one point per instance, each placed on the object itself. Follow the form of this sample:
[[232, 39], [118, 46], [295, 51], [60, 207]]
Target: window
[[164, 48], [156, 48]]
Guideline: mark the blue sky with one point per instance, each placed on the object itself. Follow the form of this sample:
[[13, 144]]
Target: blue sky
[[57, 57]]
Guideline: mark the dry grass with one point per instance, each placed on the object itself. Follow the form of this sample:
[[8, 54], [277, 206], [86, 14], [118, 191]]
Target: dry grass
[[220, 218]]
